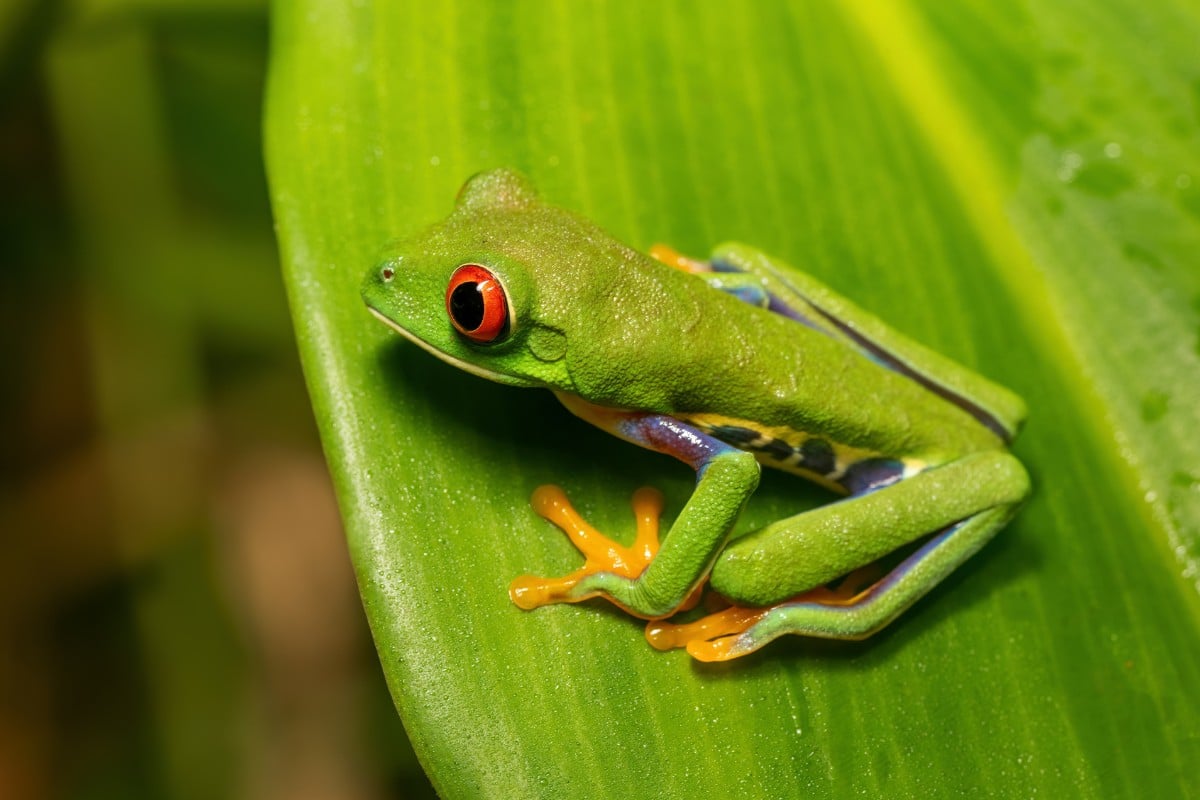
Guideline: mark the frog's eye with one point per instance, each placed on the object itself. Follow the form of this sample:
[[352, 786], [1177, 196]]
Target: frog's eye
[[476, 304]]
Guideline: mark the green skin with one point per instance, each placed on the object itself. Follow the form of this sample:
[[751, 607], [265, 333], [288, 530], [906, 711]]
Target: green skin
[[606, 327]]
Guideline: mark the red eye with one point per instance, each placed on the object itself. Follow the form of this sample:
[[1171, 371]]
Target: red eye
[[476, 304]]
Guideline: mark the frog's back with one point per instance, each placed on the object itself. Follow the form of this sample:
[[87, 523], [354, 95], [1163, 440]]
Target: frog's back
[[799, 399], [803, 298], [808, 403]]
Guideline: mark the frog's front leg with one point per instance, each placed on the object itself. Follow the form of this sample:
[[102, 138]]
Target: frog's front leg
[[726, 477], [601, 554], [962, 504]]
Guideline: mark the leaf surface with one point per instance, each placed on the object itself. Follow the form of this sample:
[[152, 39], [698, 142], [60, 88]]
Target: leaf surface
[[1012, 187]]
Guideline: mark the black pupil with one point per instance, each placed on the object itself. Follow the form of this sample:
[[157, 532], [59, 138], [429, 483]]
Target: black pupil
[[466, 305]]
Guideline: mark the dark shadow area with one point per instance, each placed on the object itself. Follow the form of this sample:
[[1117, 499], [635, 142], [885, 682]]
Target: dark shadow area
[[512, 419]]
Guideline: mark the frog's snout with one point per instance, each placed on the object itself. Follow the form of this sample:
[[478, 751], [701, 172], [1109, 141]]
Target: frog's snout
[[378, 279]]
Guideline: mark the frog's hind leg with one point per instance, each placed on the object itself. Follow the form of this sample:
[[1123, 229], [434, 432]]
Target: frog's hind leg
[[742, 285], [753, 282], [737, 630], [999, 485], [803, 298], [647, 580]]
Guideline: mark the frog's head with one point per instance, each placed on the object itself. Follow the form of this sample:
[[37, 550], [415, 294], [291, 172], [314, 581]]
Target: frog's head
[[498, 287]]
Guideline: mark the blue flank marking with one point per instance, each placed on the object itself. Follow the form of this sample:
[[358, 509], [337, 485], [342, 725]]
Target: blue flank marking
[[751, 295], [871, 474], [668, 435]]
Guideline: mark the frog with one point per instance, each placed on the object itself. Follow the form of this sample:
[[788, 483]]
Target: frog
[[729, 364]]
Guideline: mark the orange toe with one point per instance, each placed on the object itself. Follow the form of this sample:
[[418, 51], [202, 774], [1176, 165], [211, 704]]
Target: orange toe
[[673, 258], [600, 553]]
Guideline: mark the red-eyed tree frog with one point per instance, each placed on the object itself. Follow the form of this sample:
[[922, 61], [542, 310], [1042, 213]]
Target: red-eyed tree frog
[[728, 365]]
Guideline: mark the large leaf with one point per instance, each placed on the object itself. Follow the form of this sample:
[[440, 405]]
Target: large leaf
[[1011, 187]]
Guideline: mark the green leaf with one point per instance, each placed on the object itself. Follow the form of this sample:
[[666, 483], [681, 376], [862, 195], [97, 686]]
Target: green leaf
[[1019, 189]]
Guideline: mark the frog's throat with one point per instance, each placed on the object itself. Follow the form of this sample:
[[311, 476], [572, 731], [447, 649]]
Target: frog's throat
[[467, 366]]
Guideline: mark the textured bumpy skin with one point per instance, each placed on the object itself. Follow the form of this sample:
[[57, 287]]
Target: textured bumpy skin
[[598, 320], [724, 366]]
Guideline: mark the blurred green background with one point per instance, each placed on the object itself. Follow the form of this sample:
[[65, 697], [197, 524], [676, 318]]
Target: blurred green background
[[178, 617]]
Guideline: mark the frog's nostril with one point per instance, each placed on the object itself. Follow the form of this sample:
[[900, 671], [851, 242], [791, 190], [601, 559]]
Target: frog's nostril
[[388, 273]]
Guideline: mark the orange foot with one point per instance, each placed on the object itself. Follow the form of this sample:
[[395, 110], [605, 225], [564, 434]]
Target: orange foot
[[718, 636], [710, 638], [600, 553]]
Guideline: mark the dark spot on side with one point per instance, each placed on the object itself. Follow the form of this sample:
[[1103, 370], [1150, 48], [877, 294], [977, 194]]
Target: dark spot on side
[[734, 434], [871, 474], [817, 455], [778, 449]]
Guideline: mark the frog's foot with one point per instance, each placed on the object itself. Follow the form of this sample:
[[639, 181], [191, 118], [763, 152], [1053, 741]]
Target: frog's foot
[[737, 630], [731, 631], [673, 258], [601, 554], [710, 638], [847, 611], [848, 590]]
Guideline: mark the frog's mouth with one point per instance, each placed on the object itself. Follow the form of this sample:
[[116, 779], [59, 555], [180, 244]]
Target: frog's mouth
[[466, 366]]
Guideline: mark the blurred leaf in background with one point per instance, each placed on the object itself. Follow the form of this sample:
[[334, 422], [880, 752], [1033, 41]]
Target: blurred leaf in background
[[177, 617], [1014, 185]]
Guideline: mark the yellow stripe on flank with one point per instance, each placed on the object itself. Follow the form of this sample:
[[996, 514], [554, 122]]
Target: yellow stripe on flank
[[844, 456]]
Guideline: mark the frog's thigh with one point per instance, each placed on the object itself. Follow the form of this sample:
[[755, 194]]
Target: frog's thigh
[[967, 501]]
